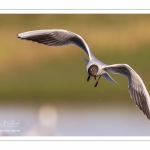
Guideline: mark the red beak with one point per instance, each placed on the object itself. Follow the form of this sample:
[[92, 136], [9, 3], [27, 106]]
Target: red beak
[[95, 77]]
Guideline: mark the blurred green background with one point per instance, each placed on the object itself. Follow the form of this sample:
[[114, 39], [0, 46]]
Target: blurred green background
[[36, 72], [32, 73]]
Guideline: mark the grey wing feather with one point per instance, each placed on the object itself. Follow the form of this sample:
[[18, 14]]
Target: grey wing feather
[[56, 37], [108, 77], [137, 89], [87, 61]]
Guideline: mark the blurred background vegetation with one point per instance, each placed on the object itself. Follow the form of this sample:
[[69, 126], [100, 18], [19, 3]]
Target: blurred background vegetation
[[33, 74]]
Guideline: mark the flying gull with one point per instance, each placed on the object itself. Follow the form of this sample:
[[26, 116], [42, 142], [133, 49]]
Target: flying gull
[[95, 67]]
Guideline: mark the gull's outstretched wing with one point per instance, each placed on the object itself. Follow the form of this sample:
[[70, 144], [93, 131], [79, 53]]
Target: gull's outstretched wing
[[56, 37], [137, 89]]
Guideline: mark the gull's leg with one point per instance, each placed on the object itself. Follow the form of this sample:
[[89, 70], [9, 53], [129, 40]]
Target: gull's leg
[[88, 78], [97, 82]]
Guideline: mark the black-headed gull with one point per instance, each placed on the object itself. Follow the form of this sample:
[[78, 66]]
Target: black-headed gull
[[95, 67]]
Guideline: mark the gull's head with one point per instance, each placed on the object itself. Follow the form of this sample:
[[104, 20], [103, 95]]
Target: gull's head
[[93, 69]]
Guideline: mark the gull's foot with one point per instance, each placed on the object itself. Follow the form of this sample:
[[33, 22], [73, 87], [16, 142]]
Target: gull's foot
[[96, 84], [88, 78]]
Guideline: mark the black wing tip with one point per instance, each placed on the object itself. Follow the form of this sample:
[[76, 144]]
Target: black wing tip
[[148, 115], [19, 37]]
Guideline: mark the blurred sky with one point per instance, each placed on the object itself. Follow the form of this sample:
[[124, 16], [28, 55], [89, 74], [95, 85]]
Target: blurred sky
[[37, 79]]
